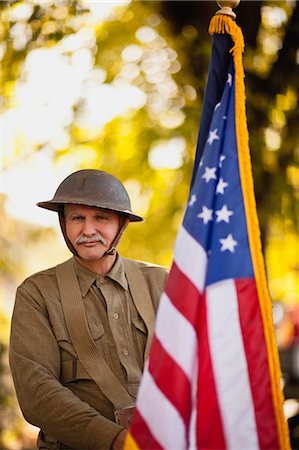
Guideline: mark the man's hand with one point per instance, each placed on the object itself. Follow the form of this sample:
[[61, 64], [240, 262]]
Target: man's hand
[[119, 441]]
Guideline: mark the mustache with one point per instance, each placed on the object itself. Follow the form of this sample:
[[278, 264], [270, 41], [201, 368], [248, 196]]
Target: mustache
[[93, 238]]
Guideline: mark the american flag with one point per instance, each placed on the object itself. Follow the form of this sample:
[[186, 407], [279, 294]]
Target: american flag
[[211, 378]]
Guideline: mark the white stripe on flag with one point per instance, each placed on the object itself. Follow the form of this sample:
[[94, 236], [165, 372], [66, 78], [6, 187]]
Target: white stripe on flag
[[192, 428], [161, 417], [170, 323], [191, 258], [230, 366]]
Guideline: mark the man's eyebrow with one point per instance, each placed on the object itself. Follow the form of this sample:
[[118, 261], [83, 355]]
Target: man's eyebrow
[[75, 213]]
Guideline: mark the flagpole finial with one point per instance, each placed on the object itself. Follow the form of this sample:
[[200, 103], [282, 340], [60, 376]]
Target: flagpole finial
[[227, 7]]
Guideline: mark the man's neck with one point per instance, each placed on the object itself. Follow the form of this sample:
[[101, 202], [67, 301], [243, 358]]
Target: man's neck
[[100, 266]]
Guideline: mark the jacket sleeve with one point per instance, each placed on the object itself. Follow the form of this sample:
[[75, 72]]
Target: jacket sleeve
[[35, 366]]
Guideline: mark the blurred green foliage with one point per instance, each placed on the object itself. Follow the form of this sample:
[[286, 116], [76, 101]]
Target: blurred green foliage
[[174, 88], [163, 52]]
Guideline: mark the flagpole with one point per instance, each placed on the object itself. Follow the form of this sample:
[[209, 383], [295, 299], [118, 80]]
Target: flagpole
[[226, 7]]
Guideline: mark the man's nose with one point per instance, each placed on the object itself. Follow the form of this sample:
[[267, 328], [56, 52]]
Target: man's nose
[[89, 228]]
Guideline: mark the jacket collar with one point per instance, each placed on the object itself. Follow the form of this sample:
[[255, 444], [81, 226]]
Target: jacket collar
[[87, 278]]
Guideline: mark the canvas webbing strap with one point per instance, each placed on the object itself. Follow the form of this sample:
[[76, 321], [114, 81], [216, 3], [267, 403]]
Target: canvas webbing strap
[[84, 345], [142, 299]]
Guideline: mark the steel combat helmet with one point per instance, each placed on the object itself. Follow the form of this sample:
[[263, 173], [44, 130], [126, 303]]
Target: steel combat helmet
[[92, 187]]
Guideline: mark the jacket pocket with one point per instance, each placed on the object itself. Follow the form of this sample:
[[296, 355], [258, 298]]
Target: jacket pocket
[[139, 333], [139, 325], [71, 367], [96, 329], [65, 343]]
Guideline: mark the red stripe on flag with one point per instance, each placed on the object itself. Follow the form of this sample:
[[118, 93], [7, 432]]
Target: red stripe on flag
[[163, 368], [257, 360], [209, 425], [142, 434], [183, 294]]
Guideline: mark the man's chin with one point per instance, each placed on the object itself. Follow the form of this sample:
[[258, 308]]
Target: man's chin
[[88, 255]]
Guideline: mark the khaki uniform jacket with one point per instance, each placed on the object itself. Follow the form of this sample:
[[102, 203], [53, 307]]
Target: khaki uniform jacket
[[53, 390]]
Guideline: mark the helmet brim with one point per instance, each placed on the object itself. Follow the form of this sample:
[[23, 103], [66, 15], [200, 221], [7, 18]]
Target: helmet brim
[[58, 206]]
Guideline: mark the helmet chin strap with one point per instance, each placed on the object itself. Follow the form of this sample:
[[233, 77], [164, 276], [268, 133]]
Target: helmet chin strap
[[123, 225]]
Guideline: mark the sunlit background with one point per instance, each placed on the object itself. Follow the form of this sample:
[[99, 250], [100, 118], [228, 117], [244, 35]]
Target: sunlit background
[[117, 85]]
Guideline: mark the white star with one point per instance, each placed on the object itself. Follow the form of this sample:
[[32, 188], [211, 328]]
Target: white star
[[228, 243], [223, 214], [200, 163], [205, 215], [212, 136], [221, 186], [209, 174], [221, 159], [217, 106], [192, 200], [229, 79]]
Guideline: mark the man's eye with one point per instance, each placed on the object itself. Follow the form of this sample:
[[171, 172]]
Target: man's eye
[[77, 218]]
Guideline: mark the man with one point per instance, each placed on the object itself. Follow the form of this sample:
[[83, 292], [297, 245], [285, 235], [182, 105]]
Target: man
[[59, 387]]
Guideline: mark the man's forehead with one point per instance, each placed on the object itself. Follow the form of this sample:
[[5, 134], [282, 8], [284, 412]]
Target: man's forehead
[[70, 208]]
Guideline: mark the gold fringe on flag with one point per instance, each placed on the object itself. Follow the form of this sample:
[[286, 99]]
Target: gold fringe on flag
[[224, 24], [130, 443]]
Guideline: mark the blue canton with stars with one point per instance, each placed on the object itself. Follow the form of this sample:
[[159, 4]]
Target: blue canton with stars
[[215, 214]]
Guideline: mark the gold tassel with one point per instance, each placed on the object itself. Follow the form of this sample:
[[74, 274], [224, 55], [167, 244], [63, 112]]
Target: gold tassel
[[130, 443], [221, 24]]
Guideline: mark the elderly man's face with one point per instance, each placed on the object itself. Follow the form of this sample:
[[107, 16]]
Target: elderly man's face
[[91, 230]]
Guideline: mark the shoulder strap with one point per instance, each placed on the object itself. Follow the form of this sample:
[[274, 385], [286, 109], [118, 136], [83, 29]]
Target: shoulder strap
[[142, 299], [86, 349]]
